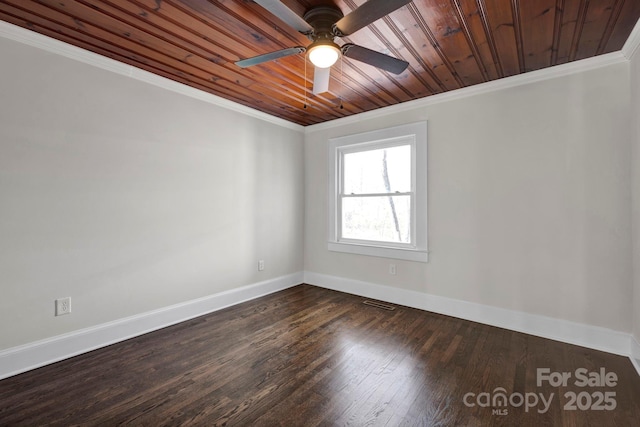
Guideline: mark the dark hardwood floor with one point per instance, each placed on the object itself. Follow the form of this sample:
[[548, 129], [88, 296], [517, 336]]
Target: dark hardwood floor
[[309, 356]]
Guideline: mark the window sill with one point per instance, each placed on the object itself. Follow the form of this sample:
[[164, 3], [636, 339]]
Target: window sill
[[384, 252]]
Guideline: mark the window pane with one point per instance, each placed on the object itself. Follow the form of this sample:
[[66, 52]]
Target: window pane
[[364, 171], [383, 219]]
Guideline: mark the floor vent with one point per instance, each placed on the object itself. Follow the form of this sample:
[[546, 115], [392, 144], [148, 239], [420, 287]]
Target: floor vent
[[379, 305]]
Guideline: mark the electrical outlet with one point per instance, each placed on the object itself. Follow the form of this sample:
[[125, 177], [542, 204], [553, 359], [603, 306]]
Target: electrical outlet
[[392, 269], [63, 306], [261, 265]]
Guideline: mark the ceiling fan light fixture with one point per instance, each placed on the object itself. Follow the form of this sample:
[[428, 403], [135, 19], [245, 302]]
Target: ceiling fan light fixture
[[324, 53]]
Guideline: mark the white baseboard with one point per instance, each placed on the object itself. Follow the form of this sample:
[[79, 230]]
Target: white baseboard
[[23, 358], [594, 337], [34, 355], [635, 353]]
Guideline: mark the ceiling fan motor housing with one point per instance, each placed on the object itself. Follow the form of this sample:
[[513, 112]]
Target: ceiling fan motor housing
[[322, 19]]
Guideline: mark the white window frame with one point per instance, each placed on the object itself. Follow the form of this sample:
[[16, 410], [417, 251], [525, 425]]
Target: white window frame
[[414, 134]]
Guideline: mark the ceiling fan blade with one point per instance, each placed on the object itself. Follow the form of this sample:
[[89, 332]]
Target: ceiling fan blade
[[377, 59], [287, 15], [367, 14], [321, 80], [244, 63]]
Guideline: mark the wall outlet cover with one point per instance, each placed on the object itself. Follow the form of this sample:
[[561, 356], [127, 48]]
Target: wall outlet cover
[[63, 306]]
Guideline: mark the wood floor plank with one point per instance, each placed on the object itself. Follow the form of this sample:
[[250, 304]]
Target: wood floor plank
[[309, 356]]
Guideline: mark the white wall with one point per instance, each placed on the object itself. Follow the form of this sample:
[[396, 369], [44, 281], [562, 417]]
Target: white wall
[[635, 114], [528, 200], [128, 197]]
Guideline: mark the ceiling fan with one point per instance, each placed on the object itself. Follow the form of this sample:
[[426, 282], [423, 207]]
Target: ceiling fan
[[322, 24]]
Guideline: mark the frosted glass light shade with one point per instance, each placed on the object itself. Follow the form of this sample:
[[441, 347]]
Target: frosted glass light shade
[[324, 55]]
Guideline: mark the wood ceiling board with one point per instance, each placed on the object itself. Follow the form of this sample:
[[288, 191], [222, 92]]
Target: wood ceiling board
[[594, 27], [441, 21], [431, 53], [479, 37], [623, 26], [501, 22], [538, 28]]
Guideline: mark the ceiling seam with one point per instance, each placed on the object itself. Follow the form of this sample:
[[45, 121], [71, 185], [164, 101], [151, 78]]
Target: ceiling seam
[[517, 30], [613, 19], [482, 10], [470, 40], [557, 31], [429, 34], [577, 32]]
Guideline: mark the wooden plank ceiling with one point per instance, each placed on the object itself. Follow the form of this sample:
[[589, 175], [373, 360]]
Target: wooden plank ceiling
[[449, 44]]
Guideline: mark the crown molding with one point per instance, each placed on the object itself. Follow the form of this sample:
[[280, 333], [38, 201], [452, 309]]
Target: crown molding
[[630, 47], [31, 38], [40, 41], [479, 89]]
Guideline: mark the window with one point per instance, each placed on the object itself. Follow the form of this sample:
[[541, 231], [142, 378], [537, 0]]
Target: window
[[378, 197]]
